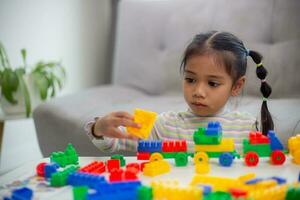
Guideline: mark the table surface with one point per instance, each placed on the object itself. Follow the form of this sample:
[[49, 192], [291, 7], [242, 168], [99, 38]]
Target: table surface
[[25, 175]]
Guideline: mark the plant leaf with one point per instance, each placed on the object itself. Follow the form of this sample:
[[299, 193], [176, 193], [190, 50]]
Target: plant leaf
[[23, 53], [9, 84], [25, 92], [41, 82]]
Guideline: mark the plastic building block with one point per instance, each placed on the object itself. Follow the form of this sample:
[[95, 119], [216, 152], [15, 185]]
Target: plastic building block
[[130, 174], [293, 194], [111, 164], [174, 146], [202, 168], [150, 146], [156, 157], [95, 167], [258, 138], [262, 150], [274, 141], [60, 178], [143, 155], [293, 147], [238, 193], [116, 175], [146, 119], [40, 169], [119, 157], [181, 159], [226, 159], [200, 158], [50, 168], [69, 156], [23, 193], [143, 165], [79, 193], [226, 145], [213, 129], [156, 168], [277, 157], [206, 189], [218, 195], [145, 193], [200, 137], [251, 159], [85, 179], [133, 165]]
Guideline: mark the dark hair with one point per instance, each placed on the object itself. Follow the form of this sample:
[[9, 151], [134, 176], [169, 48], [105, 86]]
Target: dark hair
[[230, 51]]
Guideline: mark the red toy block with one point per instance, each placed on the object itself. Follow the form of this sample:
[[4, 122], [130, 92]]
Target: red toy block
[[95, 167], [258, 138], [143, 165], [113, 163], [143, 155], [238, 193], [116, 174], [133, 165], [130, 174], [174, 146], [40, 169]]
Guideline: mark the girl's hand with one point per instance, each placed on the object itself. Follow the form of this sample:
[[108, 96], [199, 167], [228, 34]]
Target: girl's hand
[[109, 125]]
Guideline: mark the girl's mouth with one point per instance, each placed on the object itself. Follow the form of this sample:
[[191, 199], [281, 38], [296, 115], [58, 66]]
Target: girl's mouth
[[199, 104]]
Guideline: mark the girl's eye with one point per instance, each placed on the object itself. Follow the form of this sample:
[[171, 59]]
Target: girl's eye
[[213, 84], [189, 80]]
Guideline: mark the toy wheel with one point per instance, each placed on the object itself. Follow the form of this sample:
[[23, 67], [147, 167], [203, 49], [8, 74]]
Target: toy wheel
[[251, 159], [156, 157], [226, 159], [201, 158], [181, 159], [277, 157]]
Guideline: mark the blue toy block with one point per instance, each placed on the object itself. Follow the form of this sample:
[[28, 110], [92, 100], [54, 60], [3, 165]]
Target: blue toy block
[[253, 181], [50, 168], [226, 159], [275, 143], [150, 146], [213, 129], [206, 189], [23, 193], [279, 180], [85, 179]]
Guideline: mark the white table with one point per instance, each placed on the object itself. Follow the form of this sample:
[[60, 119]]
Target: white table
[[288, 170]]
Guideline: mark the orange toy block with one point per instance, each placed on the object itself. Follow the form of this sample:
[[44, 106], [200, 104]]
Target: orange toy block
[[146, 119]]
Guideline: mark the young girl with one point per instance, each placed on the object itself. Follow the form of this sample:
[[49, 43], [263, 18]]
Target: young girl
[[213, 68]]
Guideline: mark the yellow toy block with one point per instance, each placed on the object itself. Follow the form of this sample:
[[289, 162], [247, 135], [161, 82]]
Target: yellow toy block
[[226, 145], [173, 191], [293, 146], [156, 168], [146, 119], [202, 168]]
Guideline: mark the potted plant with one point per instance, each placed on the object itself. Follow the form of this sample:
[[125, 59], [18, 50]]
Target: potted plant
[[24, 87]]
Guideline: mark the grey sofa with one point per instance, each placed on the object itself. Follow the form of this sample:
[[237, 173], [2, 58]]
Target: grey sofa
[[149, 41]]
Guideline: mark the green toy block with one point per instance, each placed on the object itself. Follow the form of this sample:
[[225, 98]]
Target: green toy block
[[168, 155], [69, 156], [119, 157], [218, 195], [144, 193], [60, 178], [293, 194], [263, 150], [181, 159], [79, 193], [199, 137]]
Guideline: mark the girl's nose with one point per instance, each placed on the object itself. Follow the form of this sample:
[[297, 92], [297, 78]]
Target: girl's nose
[[199, 91]]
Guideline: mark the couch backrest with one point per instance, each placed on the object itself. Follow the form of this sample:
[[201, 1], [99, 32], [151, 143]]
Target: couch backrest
[[152, 35]]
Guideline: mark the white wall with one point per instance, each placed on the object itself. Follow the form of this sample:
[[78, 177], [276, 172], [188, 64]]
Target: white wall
[[74, 31]]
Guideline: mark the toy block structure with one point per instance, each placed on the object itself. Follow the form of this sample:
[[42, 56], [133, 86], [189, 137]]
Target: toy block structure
[[172, 190], [60, 178], [146, 119], [156, 168], [119, 157], [95, 167], [85, 179], [69, 156], [259, 148], [293, 147], [210, 135]]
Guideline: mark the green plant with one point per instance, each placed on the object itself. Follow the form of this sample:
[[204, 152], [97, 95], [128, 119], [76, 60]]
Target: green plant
[[48, 77]]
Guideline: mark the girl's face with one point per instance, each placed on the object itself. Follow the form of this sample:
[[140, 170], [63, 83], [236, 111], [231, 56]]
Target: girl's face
[[207, 86]]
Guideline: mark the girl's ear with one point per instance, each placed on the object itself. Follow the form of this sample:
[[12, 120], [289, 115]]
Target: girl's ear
[[238, 86]]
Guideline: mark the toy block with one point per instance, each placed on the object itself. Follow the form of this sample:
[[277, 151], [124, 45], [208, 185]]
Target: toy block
[[292, 194], [143, 155], [146, 119], [206, 189], [130, 174], [112, 163], [238, 193], [258, 138], [69, 156], [262, 150], [219, 195], [213, 129], [150, 146], [145, 193], [116, 175], [274, 141], [200, 137], [85, 179], [226, 145], [79, 193], [156, 168], [293, 147], [95, 167], [23, 193], [174, 146], [226, 159], [50, 168], [181, 159], [202, 168], [60, 178], [133, 165], [40, 169], [246, 177], [143, 165], [277, 157], [119, 157]]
